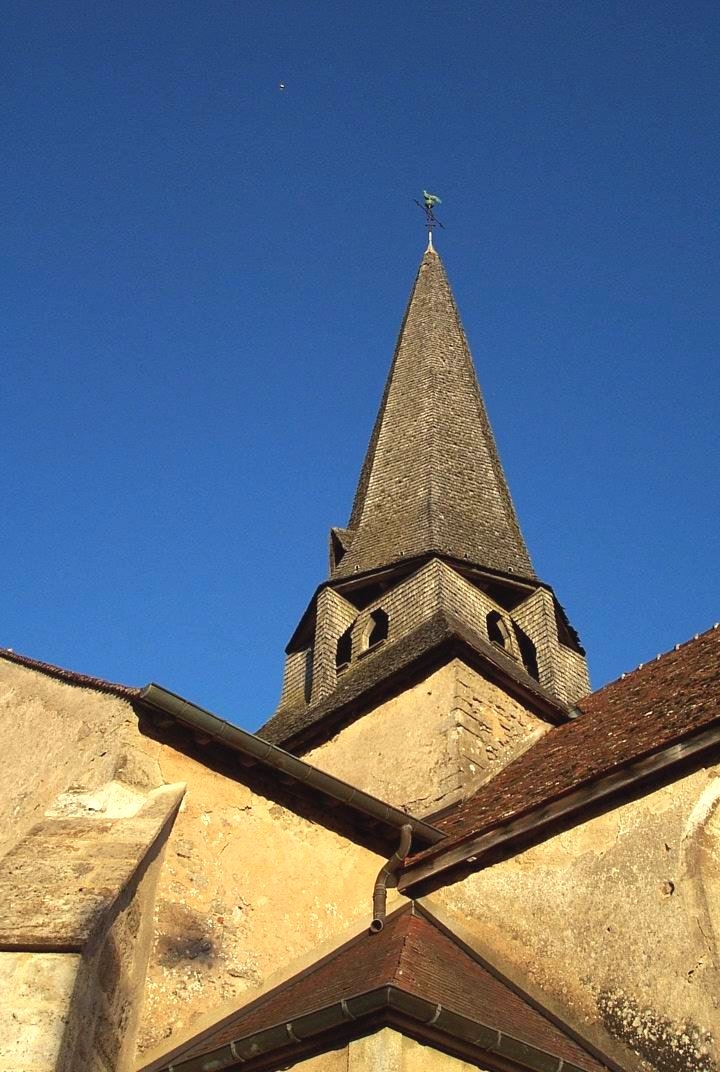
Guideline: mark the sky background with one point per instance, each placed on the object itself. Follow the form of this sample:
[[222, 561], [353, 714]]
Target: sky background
[[203, 277]]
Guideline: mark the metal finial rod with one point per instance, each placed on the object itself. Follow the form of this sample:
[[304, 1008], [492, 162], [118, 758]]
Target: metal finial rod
[[428, 204]]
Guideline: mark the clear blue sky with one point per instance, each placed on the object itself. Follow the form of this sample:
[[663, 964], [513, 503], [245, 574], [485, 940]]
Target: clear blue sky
[[203, 277]]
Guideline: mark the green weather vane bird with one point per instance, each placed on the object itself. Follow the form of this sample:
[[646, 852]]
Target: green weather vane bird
[[428, 204]]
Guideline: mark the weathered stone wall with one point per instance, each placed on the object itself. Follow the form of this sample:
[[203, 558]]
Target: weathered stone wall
[[37, 991], [492, 729], [56, 735], [433, 743], [334, 1061], [247, 885], [404, 751], [104, 1013], [385, 1051], [617, 921], [76, 897]]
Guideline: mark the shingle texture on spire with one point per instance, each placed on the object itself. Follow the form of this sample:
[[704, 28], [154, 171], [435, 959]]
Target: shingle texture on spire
[[432, 479]]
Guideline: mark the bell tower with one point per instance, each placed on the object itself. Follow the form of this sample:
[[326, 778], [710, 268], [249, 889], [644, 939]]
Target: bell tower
[[432, 636]]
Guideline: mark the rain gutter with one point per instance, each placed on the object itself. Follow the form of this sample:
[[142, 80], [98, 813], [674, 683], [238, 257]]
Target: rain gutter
[[475, 848], [277, 759], [427, 1019]]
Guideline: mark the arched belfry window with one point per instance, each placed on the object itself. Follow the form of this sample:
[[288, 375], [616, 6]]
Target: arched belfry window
[[308, 674], [499, 632], [376, 629], [343, 651], [528, 652]]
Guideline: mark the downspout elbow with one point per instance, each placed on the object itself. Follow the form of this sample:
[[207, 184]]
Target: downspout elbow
[[387, 878]]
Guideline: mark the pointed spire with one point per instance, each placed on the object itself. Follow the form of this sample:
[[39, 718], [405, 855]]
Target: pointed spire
[[432, 479]]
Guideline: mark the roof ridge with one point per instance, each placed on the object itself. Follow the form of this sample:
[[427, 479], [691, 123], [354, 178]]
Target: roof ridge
[[72, 677], [648, 663], [409, 911], [268, 996], [442, 974]]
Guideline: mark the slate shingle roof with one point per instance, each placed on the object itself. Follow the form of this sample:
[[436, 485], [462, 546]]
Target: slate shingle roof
[[411, 954], [643, 712], [432, 479]]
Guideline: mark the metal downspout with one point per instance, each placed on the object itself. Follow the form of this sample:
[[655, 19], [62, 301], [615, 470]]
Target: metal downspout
[[388, 876]]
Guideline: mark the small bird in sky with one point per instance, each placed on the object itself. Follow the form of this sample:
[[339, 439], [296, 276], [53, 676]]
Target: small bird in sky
[[281, 87]]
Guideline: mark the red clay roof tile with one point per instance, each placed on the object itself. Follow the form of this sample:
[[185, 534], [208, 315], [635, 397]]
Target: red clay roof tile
[[412, 954], [642, 712]]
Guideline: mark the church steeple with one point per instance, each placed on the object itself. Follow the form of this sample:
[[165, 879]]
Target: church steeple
[[432, 480], [432, 567]]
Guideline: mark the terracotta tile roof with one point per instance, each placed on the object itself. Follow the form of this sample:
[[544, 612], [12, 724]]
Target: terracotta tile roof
[[300, 728], [70, 676], [643, 712], [432, 479], [411, 954]]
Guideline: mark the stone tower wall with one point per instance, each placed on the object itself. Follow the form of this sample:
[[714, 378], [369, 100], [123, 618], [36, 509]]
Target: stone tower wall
[[434, 587], [297, 677], [562, 670], [333, 616], [432, 744]]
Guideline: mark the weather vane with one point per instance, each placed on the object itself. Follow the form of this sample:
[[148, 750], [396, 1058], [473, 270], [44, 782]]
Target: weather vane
[[428, 204]]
